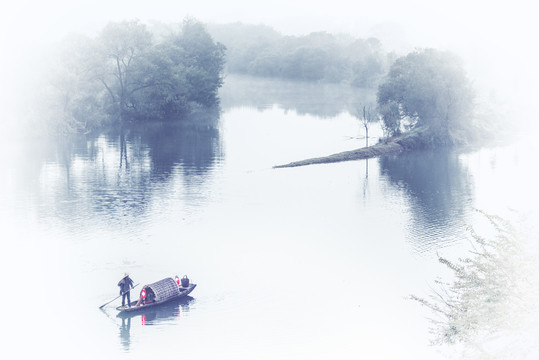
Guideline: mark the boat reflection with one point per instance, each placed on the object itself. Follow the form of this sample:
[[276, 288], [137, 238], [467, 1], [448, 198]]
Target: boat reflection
[[439, 193], [155, 315], [125, 333], [167, 312]]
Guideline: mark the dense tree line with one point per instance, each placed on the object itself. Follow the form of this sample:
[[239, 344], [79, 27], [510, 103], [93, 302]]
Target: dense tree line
[[125, 75], [261, 51], [426, 89]]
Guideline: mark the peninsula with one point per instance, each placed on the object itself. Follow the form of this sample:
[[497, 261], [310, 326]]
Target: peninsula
[[410, 141], [426, 101]]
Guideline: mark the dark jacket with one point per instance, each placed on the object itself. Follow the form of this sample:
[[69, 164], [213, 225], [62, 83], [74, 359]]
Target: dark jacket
[[125, 284]]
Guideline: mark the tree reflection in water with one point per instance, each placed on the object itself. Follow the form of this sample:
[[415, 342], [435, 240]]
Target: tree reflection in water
[[115, 174], [491, 307], [303, 97], [439, 194]]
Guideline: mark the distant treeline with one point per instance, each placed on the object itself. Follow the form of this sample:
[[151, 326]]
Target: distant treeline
[[261, 51], [426, 89], [127, 73]]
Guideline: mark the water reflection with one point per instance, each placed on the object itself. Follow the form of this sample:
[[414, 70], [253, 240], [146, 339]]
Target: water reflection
[[439, 193], [125, 333], [323, 100], [171, 311], [115, 174], [159, 314]]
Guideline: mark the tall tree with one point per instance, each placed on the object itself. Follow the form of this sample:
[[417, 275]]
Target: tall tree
[[428, 88], [119, 46], [203, 59], [185, 69]]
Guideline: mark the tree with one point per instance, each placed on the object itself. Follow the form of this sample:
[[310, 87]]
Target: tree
[[319, 56], [492, 295], [368, 62], [306, 63], [185, 69], [427, 88], [391, 118], [122, 75], [203, 60], [119, 47], [72, 97], [167, 93], [366, 115]]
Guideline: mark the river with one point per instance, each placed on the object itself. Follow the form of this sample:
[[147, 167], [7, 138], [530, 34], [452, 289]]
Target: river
[[314, 262]]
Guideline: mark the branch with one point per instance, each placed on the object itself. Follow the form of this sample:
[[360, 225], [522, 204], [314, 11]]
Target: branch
[[441, 297], [428, 304], [109, 90], [142, 87]]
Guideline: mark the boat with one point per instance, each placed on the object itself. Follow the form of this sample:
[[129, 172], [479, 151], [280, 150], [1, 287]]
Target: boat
[[158, 293], [171, 309]]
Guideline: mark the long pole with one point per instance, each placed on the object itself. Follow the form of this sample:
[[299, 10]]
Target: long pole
[[118, 296]]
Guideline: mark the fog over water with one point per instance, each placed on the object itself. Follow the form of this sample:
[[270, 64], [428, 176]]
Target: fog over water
[[313, 262], [73, 207]]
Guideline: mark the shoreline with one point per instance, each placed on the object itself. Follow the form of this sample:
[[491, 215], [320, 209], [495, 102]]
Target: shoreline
[[393, 146], [379, 149]]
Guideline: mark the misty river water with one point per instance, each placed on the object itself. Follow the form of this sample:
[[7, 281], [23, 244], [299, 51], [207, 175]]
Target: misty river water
[[315, 262]]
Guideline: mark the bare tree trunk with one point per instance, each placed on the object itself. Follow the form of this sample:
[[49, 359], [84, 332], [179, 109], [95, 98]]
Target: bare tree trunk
[[366, 124], [366, 135]]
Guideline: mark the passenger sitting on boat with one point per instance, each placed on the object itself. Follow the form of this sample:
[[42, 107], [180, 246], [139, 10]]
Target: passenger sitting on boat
[[150, 296], [141, 300]]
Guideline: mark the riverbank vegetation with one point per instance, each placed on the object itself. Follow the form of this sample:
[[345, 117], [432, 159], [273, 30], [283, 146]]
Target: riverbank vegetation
[[132, 72], [489, 307], [259, 50], [425, 101], [124, 74], [428, 89]]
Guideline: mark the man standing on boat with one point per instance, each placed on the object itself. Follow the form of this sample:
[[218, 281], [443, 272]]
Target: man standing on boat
[[126, 284]]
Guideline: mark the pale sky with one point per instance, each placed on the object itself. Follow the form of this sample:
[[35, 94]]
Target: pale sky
[[428, 18]]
